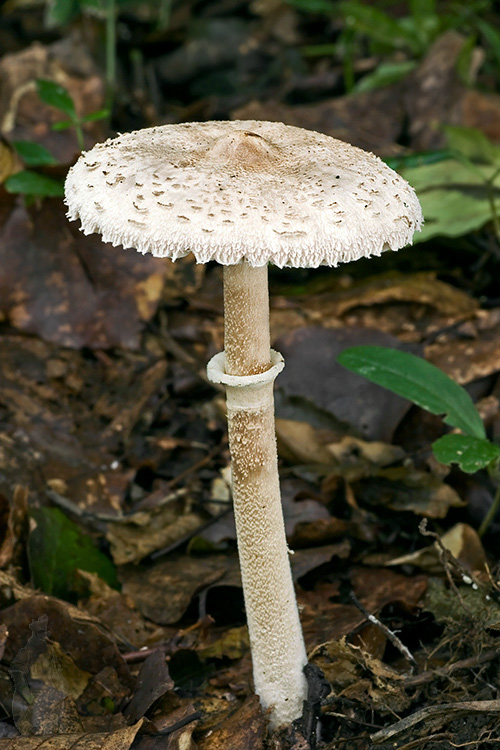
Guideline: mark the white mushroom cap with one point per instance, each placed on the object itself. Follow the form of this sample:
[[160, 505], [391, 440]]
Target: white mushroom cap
[[242, 190]]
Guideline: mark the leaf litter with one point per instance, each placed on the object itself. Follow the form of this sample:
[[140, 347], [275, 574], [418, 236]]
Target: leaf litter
[[136, 634]]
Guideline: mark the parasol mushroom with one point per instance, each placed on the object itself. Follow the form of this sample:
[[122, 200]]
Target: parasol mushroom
[[245, 194]]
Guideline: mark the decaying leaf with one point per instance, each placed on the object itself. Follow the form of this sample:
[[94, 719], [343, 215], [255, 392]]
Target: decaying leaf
[[471, 352], [232, 645], [243, 730], [462, 541], [14, 525], [67, 288], [153, 681], [121, 739], [405, 488], [313, 374], [406, 305], [356, 675], [136, 536], [163, 592]]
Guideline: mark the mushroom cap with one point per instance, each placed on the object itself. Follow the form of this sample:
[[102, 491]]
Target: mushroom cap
[[242, 190]]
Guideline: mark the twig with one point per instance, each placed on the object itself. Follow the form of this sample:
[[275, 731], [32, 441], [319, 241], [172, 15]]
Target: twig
[[389, 633], [430, 675], [445, 710]]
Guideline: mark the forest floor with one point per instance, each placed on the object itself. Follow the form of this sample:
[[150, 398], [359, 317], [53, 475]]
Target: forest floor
[[122, 618]]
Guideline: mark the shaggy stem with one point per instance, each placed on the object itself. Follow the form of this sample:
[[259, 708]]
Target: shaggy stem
[[246, 319], [277, 645]]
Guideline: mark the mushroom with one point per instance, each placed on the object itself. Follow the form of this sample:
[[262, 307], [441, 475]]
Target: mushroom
[[245, 194]]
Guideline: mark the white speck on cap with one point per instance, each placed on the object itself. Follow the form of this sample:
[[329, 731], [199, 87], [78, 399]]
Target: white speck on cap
[[242, 190]]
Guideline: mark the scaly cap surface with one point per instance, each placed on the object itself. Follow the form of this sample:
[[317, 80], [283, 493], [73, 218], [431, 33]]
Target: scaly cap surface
[[242, 190]]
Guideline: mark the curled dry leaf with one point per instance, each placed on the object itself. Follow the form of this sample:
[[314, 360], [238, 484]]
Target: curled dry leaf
[[136, 536], [409, 306], [120, 739], [361, 677], [462, 541]]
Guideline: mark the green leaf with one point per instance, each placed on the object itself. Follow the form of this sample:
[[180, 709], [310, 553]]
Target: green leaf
[[417, 380], [472, 143], [417, 159], [32, 183], [61, 12], [454, 195], [491, 35], [99, 114], [385, 74], [378, 26], [55, 95], [453, 213], [314, 6], [63, 125], [422, 10], [33, 154], [470, 453], [57, 548]]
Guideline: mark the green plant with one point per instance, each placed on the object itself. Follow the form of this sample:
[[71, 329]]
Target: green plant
[[56, 96], [399, 41], [458, 187], [57, 548], [28, 182], [431, 389], [34, 184], [62, 12]]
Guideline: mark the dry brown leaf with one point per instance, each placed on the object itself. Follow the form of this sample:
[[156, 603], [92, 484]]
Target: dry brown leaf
[[9, 162], [121, 739], [300, 442], [376, 588], [405, 488], [163, 591], [357, 675], [243, 730], [409, 306], [141, 533], [471, 352], [14, 523], [461, 540], [72, 289], [313, 376]]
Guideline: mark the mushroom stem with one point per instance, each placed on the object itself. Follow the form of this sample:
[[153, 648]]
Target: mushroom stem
[[246, 319], [277, 645]]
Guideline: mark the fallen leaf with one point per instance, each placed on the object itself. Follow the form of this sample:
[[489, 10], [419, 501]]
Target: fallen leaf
[[242, 730], [137, 535], [461, 540], [356, 675], [121, 739], [313, 374], [162, 592], [153, 681], [470, 354], [14, 523], [405, 488], [72, 289], [407, 305], [376, 588]]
